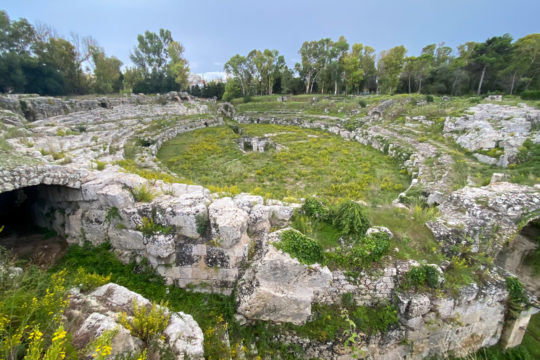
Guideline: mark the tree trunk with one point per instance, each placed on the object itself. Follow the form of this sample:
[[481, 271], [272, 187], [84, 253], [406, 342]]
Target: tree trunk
[[335, 87], [307, 83], [409, 84], [420, 86], [513, 82], [481, 80]]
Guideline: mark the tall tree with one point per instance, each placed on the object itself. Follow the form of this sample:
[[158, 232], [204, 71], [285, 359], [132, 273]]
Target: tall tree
[[107, 74], [354, 73], [313, 55], [389, 67], [525, 61], [238, 67], [178, 65], [159, 59], [492, 54]]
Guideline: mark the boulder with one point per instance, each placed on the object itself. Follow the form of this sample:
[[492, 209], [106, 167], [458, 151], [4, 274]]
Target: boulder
[[279, 288], [228, 222], [89, 315]]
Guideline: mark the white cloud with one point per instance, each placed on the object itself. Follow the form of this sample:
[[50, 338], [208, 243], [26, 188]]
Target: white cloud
[[216, 63]]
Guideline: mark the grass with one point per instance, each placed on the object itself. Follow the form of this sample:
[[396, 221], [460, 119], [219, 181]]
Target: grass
[[310, 163], [143, 193], [209, 310]]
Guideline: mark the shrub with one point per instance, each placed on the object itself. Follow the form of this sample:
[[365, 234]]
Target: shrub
[[89, 281], [143, 193], [362, 103], [429, 98], [351, 220], [516, 296], [297, 245], [315, 209], [148, 322], [425, 275], [366, 251], [530, 95]]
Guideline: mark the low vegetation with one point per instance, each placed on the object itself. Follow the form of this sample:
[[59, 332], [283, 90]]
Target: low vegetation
[[310, 162]]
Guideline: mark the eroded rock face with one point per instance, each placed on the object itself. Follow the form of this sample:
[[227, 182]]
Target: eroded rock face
[[491, 126], [279, 288], [90, 315], [483, 218]]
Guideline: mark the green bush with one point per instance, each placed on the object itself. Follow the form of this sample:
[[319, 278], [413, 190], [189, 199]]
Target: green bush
[[315, 209], [516, 296], [147, 323], [420, 276], [366, 251], [351, 220], [300, 247], [429, 98], [530, 95], [375, 319], [362, 103]]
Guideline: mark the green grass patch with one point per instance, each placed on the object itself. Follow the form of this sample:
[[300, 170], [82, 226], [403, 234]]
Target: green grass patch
[[306, 250], [311, 162]]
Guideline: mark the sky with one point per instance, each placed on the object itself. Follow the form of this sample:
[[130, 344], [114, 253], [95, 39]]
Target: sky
[[213, 31]]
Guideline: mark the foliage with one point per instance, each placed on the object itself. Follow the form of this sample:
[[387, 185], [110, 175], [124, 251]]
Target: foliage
[[530, 95], [202, 223], [143, 193], [328, 324], [363, 252], [130, 166], [148, 321], [100, 165], [89, 281], [101, 348], [149, 227], [517, 296], [316, 160], [315, 209], [375, 319], [31, 309], [300, 247], [421, 276], [141, 278], [350, 219]]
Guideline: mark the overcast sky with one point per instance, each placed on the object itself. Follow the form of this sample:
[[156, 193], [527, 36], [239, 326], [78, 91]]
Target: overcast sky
[[213, 31]]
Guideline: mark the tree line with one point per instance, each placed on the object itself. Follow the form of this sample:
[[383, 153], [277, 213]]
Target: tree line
[[334, 67], [35, 59]]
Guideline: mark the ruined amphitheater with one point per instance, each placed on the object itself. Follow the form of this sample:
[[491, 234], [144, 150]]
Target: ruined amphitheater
[[63, 167]]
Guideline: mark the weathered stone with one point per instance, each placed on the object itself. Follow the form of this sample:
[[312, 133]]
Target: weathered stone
[[228, 222], [279, 288]]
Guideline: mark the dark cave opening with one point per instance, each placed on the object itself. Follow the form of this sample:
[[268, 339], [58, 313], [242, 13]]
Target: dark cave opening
[[28, 218]]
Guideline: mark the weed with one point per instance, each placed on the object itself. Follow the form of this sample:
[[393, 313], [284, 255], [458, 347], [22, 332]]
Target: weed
[[149, 227], [300, 247], [143, 193]]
